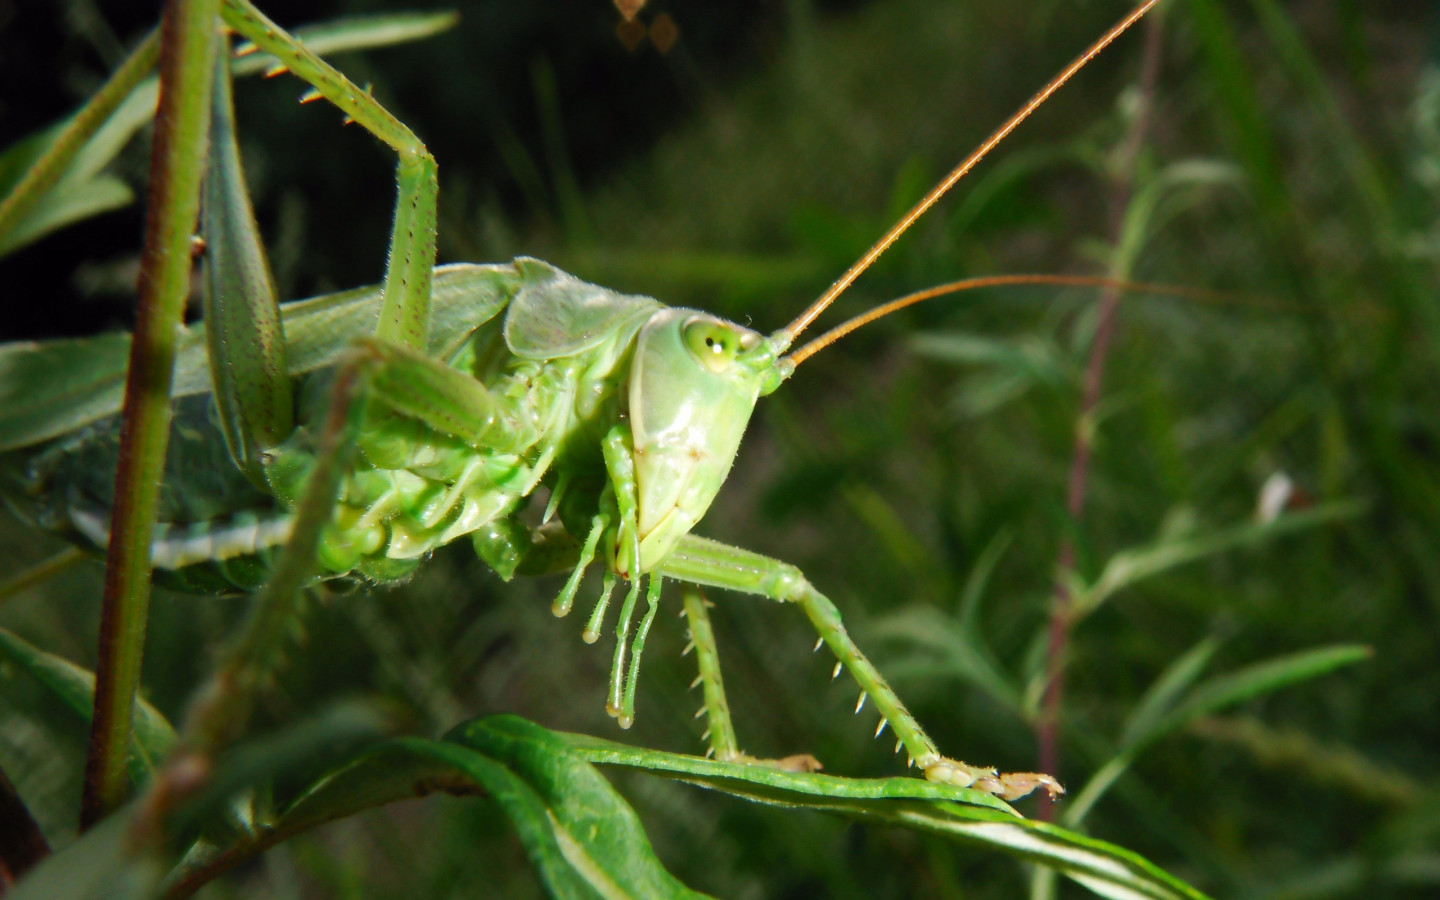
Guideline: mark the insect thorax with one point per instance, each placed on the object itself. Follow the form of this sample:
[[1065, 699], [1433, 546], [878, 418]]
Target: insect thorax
[[409, 489]]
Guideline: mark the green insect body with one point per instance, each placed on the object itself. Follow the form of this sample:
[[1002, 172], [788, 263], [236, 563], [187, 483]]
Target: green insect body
[[444, 398], [570, 365]]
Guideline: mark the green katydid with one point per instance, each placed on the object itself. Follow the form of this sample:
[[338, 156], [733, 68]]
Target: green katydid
[[479, 385]]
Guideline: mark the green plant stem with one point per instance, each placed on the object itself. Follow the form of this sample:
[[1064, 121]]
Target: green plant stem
[[47, 170], [189, 41], [1062, 617], [222, 708]]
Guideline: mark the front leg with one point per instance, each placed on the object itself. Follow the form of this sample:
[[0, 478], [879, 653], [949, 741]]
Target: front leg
[[618, 447], [707, 562]]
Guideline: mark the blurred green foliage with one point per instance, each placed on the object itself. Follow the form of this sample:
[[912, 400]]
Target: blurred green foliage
[[917, 472]]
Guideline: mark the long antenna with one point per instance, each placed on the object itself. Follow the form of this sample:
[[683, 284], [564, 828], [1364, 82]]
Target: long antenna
[[844, 281], [986, 281]]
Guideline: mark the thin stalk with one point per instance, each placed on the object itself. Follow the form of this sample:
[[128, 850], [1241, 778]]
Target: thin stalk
[[1062, 612], [189, 40], [222, 709], [42, 572], [222, 706], [57, 158]]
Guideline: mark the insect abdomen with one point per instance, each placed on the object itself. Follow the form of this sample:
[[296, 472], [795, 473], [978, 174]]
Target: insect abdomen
[[216, 532]]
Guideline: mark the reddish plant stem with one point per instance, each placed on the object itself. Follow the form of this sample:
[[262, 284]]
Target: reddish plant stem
[[188, 42], [1061, 617]]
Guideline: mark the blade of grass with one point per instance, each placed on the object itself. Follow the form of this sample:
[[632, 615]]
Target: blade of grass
[[60, 164], [354, 33], [41, 572], [1150, 723], [53, 163], [74, 687]]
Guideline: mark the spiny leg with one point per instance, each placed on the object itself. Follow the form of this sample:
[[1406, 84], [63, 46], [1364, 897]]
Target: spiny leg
[[405, 315], [708, 562], [720, 731]]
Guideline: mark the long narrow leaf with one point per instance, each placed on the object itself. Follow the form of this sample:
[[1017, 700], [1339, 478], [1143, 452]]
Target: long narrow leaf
[[1152, 722], [961, 814], [1131, 566], [581, 836], [74, 688], [1263, 678], [585, 841], [357, 33], [80, 192], [1162, 695], [41, 165]]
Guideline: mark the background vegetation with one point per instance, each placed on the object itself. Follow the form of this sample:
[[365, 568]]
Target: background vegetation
[[917, 472]]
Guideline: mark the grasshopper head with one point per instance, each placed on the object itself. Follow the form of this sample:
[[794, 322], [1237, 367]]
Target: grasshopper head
[[693, 388]]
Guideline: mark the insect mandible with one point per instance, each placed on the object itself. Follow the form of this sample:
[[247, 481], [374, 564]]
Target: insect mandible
[[628, 411]]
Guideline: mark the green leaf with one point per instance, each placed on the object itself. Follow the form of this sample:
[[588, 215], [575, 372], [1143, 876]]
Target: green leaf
[[582, 837], [962, 814], [1151, 720], [595, 830], [1008, 368], [1129, 567], [777, 786], [68, 203], [586, 841], [1262, 678], [74, 687], [409, 767], [133, 113], [293, 757], [1142, 725], [950, 650], [357, 33], [954, 645], [82, 192]]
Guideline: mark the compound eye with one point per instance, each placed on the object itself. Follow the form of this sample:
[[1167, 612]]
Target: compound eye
[[713, 343]]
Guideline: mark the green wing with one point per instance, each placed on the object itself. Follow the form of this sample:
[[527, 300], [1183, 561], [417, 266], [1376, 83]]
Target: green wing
[[556, 315], [51, 388]]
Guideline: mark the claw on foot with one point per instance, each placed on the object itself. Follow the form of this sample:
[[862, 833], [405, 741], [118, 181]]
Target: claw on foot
[[1014, 785], [1006, 786]]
